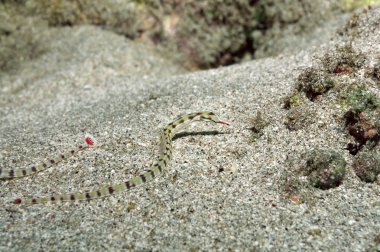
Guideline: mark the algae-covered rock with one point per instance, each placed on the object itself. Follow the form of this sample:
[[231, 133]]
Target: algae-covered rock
[[362, 120], [325, 168], [314, 82], [367, 166], [298, 118], [259, 122], [376, 71]]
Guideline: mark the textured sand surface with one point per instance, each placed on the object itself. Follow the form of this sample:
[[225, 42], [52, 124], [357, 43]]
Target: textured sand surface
[[223, 190]]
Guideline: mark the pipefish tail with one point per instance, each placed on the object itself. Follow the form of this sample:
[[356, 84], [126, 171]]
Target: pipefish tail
[[11, 173]]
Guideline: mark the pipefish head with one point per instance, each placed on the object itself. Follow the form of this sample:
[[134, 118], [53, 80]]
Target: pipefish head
[[211, 117]]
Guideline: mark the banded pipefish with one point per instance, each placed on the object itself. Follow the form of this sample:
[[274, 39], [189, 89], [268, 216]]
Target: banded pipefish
[[154, 171]]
